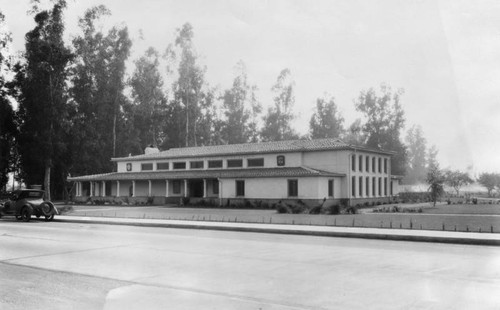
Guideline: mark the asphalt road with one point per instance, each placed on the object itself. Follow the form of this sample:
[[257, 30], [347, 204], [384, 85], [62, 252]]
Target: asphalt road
[[79, 266]]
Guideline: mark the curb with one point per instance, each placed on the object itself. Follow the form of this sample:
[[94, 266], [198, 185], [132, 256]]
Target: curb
[[320, 231]]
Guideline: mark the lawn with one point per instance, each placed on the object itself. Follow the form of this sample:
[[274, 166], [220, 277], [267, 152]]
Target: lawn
[[477, 218]]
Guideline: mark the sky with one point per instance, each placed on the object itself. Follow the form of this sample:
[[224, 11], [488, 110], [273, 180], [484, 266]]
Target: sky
[[443, 53]]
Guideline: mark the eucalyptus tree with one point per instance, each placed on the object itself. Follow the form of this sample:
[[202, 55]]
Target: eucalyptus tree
[[277, 121], [100, 126], [384, 123], [149, 99], [326, 121], [190, 95], [7, 126], [239, 106], [42, 97]]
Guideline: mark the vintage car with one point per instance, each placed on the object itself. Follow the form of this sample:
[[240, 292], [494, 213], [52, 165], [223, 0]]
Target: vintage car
[[27, 202]]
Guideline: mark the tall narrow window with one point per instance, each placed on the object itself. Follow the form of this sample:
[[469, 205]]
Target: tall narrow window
[[367, 185], [367, 164], [360, 186], [379, 165], [176, 184], [240, 188], [385, 186], [353, 186], [330, 188], [215, 187], [374, 184], [353, 162], [385, 165], [380, 186], [373, 164], [360, 168], [293, 188]]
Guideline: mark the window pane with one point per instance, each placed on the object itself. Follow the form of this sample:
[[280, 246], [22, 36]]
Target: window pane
[[330, 188], [234, 163], [215, 164], [240, 188], [256, 162], [196, 164], [180, 165], [162, 166], [353, 162], [293, 188], [353, 186], [360, 186], [145, 167], [360, 168]]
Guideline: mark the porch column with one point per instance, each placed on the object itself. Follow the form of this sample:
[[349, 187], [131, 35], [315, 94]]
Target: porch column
[[91, 189], [185, 188], [166, 188], [133, 188], [79, 188], [103, 194], [117, 188], [204, 188], [149, 188]]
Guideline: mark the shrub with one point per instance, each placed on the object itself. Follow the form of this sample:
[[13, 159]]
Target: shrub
[[316, 210], [185, 201], [282, 208]]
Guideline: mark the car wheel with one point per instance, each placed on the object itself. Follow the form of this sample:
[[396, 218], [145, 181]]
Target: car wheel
[[46, 209], [49, 217], [26, 213]]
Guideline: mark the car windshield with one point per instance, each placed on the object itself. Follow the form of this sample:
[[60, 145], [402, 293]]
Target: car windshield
[[31, 194]]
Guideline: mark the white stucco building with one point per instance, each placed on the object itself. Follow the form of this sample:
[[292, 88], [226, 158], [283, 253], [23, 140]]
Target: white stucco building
[[309, 170]]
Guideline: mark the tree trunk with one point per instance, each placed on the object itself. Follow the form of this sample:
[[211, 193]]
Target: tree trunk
[[46, 182]]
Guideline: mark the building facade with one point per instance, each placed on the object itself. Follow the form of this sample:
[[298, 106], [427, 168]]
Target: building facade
[[309, 170]]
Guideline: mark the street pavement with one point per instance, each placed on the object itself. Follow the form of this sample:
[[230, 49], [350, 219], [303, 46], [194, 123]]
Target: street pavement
[[313, 230], [84, 265]]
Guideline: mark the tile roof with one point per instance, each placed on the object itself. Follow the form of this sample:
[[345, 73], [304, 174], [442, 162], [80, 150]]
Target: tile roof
[[209, 174], [252, 148]]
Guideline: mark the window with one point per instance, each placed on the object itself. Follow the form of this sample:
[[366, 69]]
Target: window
[[146, 167], [360, 186], [234, 163], [379, 165], [374, 184], [280, 160], [162, 166], [215, 164], [215, 186], [367, 187], [353, 162], [353, 186], [373, 164], [385, 165], [380, 186], [385, 186], [176, 187], [293, 188], [367, 164], [360, 168], [129, 166], [256, 162], [196, 164], [330, 188], [179, 165], [240, 188]]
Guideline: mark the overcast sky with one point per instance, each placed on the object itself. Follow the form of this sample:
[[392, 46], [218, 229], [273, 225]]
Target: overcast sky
[[445, 54]]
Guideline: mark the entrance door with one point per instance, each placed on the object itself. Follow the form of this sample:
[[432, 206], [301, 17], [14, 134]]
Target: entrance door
[[196, 188]]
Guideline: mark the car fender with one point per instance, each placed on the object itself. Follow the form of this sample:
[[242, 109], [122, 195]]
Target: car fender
[[52, 209]]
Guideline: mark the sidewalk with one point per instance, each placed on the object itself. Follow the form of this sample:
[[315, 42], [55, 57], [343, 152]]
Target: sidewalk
[[309, 230]]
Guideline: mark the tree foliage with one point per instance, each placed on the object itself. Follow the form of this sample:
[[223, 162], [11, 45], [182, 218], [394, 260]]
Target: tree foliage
[[43, 109], [384, 122], [8, 128], [101, 128], [326, 122], [277, 121], [416, 166], [490, 181], [435, 179], [457, 179]]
